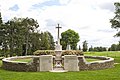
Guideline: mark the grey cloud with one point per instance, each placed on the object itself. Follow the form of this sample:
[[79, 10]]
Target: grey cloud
[[106, 31], [109, 6], [51, 22], [85, 27], [14, 8]]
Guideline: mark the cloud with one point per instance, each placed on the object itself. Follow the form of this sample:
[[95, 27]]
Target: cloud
[[50, 22], [108, 6], [14, 8], [46, 3], [88, 18], [106, 30]]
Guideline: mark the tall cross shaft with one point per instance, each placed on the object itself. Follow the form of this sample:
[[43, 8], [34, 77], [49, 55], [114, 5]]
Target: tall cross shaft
[[58, 31]]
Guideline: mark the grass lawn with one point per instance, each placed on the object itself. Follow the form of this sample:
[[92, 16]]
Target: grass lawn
[[23, 60], [106, 74], [90, 60]]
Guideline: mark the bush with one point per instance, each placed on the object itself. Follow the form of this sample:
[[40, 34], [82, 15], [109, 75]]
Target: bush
[[52, 52], [72, 52], [44, 52]]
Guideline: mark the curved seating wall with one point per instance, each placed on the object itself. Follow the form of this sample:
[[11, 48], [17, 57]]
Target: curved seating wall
[[10, 64], [104, 63]]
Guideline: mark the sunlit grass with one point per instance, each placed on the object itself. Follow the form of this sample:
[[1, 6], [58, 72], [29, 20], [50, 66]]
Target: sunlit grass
[[106, 74], [23, 60], [91, 60]]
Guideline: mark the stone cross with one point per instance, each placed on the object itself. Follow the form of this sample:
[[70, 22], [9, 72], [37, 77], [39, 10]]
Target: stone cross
[[58, 33]]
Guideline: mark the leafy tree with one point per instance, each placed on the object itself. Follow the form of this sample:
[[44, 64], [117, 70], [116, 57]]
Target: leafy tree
[[116, 20], [118, 46], [79, 47], [51, 41], [47, 41], [35, 42], [29, 25], [113, 47], [85, 47], [91, 48], [16, 32], [3, 42], [69, 37]]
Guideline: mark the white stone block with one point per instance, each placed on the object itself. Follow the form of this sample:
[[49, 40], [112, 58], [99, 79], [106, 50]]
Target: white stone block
[[71, 63], [46, 62]]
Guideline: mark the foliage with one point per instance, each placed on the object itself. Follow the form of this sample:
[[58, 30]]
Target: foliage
[[72, 52], [44, 52], [47, 41], [115, 47], [91, 49], [97, 49], [79, 47], [69, 37], [116, 20], [19, 36], [85, 47], [52, 52]]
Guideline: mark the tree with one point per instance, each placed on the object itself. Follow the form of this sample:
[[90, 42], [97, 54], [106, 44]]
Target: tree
[[118, 46], [29, 25], [79, 47], [85, 47], [16, 32], [91, 48], [3, 38], [51, 41], [116, 20], [69, 37], [35, 42], [113, 47], [47, 41], [1, 29]]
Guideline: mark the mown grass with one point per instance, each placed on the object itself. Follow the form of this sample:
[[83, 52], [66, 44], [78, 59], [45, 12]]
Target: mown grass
[[106, 74], [91, 60], [23, 60]]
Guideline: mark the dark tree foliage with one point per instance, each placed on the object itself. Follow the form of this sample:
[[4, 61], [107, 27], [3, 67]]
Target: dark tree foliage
[[115, 47], [85, 47], [19, 36], [116, 20], [69, 37]]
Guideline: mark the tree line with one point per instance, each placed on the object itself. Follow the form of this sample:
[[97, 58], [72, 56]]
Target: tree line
[[19, 36], [113, 47], [95, 49]]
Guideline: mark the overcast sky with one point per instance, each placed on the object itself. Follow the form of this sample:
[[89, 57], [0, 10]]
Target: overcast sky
[[89, 18]]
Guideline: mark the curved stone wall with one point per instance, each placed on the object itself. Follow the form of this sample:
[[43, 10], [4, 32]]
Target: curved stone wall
[[10, 64], [104, 63], [34, 65]]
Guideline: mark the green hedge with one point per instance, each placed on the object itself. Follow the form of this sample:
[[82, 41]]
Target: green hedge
[[44, 52], [72, 52], [52, 52]]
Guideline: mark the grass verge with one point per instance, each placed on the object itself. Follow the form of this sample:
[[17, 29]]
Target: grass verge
[[106, 74]]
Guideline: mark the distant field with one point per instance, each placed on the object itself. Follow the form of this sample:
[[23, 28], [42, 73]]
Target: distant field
[[106, 74]]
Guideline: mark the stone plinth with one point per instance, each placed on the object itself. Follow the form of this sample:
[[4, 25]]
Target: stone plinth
[[46, 62], [71, 63], [58, 47], [58, 59]]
